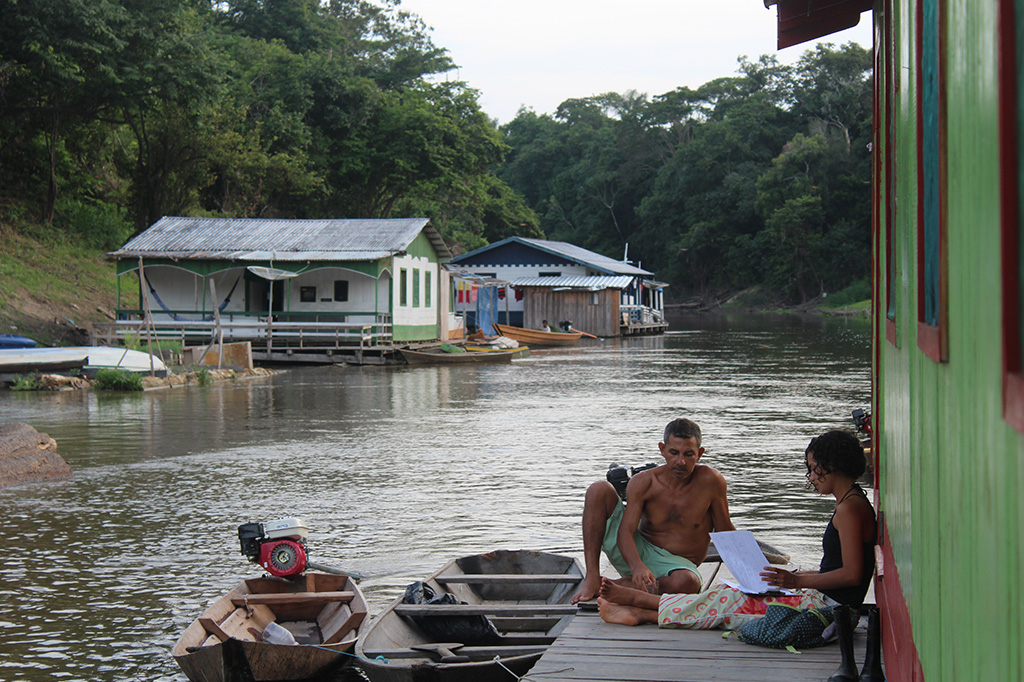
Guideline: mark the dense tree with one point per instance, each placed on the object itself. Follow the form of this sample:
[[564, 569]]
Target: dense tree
[[116, 112], [756, 179], [246, 107]]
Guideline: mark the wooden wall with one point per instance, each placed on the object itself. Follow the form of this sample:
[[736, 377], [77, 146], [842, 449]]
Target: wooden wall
[[600, 319], [951, 468]]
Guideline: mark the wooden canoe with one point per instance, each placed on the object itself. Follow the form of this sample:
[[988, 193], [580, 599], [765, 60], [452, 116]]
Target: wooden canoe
[[440, 357], [323, 613], [536, 337], [523, 594]]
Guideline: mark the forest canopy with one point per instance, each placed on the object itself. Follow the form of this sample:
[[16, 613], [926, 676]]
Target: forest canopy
[[114, 113]]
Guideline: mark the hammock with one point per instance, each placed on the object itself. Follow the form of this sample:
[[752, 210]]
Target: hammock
[[175, 316]]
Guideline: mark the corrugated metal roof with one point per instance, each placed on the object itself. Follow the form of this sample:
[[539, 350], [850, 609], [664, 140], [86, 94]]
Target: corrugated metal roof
[[564, 250], [280, 240], [575, 282], [586, 257]]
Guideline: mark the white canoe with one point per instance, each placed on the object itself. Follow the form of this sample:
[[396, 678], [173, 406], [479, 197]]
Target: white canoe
[[42, 360]]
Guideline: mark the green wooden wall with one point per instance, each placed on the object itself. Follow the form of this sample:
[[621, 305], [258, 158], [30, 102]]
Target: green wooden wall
[[951, 472]]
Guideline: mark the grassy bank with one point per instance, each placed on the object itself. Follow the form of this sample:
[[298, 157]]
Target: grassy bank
[[52, 287]]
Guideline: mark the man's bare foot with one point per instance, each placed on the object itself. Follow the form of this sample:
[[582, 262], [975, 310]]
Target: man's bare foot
[[588, 590], [626, 595], [616, 593], [624, 615]]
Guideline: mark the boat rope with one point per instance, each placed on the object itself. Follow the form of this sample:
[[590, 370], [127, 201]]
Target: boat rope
[[529, 676], [334, 651]]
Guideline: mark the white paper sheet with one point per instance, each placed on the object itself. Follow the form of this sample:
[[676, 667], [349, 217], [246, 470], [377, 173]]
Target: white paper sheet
[[744, 559]]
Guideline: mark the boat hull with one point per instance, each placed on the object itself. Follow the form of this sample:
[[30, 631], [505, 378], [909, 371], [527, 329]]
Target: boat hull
[[523, 594], [87, 358], [470, 357], [16, 341], [536, 337], [323, 612]]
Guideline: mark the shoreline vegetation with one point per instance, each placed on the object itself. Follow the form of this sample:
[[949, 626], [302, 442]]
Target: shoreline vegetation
[[117, 116]]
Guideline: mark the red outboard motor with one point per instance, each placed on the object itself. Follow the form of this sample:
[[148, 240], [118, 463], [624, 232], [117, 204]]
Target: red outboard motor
[[278, 546]]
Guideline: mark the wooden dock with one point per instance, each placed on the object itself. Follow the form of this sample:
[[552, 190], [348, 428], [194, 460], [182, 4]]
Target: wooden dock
[[590, 650]]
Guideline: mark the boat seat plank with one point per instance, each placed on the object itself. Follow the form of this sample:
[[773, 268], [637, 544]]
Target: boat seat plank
[[350, 626], [509, 578], [211, 626], [292, 598], [485, 609], [481, 652]]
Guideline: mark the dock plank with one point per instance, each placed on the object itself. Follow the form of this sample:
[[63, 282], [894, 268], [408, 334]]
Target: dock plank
[[590, 650]]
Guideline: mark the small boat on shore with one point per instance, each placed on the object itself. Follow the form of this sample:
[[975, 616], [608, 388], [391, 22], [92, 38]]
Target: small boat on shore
[[88, 359], [317, 617], [16, 341], [437, 356], [536, 337], [491, 615]]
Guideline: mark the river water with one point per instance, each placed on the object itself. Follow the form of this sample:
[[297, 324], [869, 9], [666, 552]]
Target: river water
[[395, 471]]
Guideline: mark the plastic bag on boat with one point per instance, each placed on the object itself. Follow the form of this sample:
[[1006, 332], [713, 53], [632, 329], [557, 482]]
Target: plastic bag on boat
[[467, 630]]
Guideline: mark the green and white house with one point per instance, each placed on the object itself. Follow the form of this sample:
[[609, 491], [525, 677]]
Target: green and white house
[[316, 283]]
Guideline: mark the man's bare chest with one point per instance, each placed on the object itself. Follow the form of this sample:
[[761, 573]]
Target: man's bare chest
[[688, 512]]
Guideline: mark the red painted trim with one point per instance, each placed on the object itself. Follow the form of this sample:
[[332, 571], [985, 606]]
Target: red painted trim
[[888, 45], [803, 20], [879, 238], [919, 120], [931, 338], [1009, 201], [898, 650]]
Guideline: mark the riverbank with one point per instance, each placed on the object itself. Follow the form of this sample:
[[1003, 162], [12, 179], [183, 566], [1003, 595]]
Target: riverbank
[[200, 377], [756, 300], [53, 288]]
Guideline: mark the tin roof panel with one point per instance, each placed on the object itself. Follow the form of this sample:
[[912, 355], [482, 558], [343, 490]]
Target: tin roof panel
[[265, 239]]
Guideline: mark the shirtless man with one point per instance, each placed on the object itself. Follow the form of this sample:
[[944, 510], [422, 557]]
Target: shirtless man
[[657, 540]]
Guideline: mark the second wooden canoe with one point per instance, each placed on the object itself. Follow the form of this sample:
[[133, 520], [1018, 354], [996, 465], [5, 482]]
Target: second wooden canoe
[[536, 337], [440, 357], [518, 600]]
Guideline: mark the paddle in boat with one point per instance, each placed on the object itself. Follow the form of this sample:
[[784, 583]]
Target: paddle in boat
[[480, 618], [536, 337], [289, 625]]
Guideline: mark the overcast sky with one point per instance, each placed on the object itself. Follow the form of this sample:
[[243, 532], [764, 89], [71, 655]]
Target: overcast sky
[[539, 53]]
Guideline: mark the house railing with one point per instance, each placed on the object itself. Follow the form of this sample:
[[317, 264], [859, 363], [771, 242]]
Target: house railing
[[640, 315], [262, 332]]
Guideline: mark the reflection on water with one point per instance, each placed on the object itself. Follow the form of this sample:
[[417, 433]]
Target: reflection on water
[[395, 470]]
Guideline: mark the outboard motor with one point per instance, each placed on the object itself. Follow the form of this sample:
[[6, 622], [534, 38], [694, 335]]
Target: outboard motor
[[619, 476], [278, 546], [565, 325]]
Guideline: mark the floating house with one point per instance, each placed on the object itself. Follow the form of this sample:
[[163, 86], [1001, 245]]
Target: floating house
[[297, 289], [560, 282], [948, 345]]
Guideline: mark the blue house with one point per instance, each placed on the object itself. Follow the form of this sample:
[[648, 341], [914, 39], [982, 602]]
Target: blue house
[[561, 282]]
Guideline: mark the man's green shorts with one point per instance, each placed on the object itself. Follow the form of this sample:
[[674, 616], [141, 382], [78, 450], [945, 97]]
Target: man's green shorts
[[661, 562]]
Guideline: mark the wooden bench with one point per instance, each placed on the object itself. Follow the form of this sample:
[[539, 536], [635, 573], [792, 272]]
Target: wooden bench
[[485, 609], [474, 652], [292, 598], [480, 578]]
